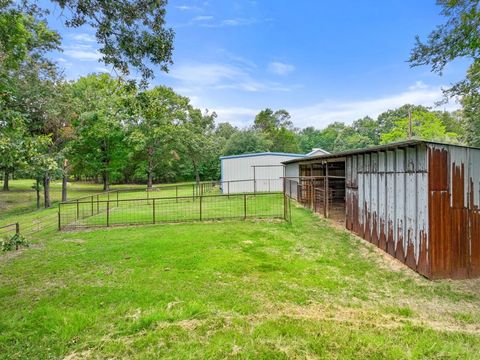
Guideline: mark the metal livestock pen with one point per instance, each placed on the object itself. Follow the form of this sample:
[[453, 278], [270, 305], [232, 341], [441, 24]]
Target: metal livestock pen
[[417, 200]]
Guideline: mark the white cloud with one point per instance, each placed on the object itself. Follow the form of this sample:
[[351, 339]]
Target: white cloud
[[83, 37], [279, 68], [219, 76], [101, 69], [325, 112], [82, 55], [186, 7], [202, 18], [236, 116], [328, 111]]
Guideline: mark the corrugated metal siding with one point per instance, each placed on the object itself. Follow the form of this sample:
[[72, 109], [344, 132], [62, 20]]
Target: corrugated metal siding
[[388, 203], [454, 215], [241, 168]]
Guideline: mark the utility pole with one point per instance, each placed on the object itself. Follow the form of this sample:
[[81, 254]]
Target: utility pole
[[410, 123]]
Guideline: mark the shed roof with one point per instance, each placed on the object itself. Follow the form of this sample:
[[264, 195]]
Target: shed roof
[[263, 154], [375, 148]]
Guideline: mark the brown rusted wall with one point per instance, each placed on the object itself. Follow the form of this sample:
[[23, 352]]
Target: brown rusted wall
[[387, 202], [454, 215]]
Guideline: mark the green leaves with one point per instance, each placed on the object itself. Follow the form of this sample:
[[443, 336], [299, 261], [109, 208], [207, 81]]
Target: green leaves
[[131, 33], [425, 126]]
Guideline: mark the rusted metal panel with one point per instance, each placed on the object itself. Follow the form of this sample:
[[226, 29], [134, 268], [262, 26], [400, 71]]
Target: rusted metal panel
[[391, 199], [400, 204], [382, 201], [374, 194], [453, 212], [420, 202], [410, 210], [367, 215]]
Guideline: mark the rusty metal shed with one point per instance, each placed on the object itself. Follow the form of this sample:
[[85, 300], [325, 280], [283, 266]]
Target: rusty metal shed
[[417, 200]]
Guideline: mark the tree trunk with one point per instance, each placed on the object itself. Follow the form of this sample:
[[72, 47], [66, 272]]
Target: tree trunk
[[149, 180], [65, 180], [106, 185], [64, 187], [150, 169], [5, 181], [37, 189], [197, 174], [46, 190]]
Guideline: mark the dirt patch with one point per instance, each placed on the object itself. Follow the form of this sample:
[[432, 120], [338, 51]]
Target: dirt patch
[[78, 356], [75, 241]]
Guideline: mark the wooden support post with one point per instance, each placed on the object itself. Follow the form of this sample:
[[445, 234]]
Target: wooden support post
[[78, 210], [327, 191], [108, 213], [228, 188], [193, 192], [201, 197], [153, 210], [17, 232], [91, 200], [98, 204], [312, 196]]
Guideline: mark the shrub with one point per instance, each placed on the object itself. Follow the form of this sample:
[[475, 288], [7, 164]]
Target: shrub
[[10, 242]]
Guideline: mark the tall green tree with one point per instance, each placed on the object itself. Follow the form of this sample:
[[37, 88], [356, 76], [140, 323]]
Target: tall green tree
[[246, 141], [456, 38], [156, 131], [425, 125], [278, 129], [200, 144], [100, 145]]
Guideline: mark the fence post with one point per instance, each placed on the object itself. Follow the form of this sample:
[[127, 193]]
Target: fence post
[[78, 210], [154, 211], [327, 190], [92, 205], [285, 206], [244, 206], [108, 213], [290, 210], [98, 204], [193, 192], [201, 197], [228, 188], [312, 195], [59, 217], [176, 192], [17, 232]]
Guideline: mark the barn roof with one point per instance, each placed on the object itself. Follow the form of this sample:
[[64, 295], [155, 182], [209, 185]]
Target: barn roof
[[263, 154], [390, 146]]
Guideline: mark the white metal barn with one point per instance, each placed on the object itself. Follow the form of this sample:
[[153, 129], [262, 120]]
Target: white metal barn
[[292, 169], [258, 172]]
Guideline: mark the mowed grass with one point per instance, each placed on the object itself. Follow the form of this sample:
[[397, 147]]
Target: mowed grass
[[22, 198], [235, 289], [168, 210]]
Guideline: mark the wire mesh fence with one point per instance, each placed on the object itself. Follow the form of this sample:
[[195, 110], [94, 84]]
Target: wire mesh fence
[[91, 212], [8, 231]]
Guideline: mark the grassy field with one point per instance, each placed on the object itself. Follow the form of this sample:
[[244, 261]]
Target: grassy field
[[171, 210], [234, 289], [22, 198]]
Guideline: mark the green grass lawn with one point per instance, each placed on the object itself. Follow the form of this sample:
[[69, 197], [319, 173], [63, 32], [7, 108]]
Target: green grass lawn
[[22, 198], [167, 210], [235, 289]]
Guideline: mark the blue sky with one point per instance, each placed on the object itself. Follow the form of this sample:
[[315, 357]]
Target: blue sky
[[323, 61]]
